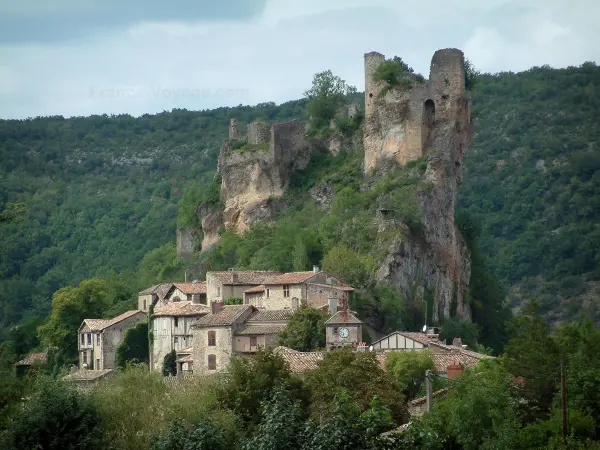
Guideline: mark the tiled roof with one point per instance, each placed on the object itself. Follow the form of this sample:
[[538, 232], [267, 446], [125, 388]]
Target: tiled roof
[[87, 375], [244, 276], [185, 359], [291, 278], [227, 316], [331, 286], [276, 315], [259, 288], [159, 289], [260, 329], [282, 349], [101, 324], [32, 358], [416, 336], [422, 400], [182, 308], [300, 362], [185, 351], [192, 288], [343, 317]]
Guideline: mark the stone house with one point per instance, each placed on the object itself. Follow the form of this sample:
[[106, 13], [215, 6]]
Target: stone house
[[232, 283], [231, 330], [171, 328], [99, 339], [153, 295], [192, 292], [290, 290]]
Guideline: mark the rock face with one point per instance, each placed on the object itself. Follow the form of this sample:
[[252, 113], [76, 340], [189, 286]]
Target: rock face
[[186, 243], [254, 175], [431, 119]]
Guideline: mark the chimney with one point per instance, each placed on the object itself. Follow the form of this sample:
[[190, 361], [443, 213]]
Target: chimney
[[454, 369], [316, 269], [333, 304], [457, 342], [216, 307], [233, 276]]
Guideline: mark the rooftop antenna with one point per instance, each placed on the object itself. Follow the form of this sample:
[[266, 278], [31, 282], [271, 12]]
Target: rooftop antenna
[[425, 326]]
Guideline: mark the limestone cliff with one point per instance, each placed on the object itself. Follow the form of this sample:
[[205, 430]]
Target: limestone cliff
[[255, 171], [427, 120]]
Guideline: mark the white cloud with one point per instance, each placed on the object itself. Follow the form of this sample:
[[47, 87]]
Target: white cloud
[[152, 66]]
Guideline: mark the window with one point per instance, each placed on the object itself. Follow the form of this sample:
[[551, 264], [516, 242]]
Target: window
[[212, 362], [286, 290], [267, 293], [176, 339], [84, 357], [176, 322], [97, 339], [144, 305], [335, 330], [212, 338], [252, 341], [89, 339], [82, 339]]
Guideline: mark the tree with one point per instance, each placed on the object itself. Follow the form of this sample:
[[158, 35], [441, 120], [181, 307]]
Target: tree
[[55, 416], [134, 348], [305, 330], [408, 369], [457, 327], [70, 306], [300, 260], [325, 97], [282, 424], [250, 382], [170, 364], [360, 375], [14, 212], [349, 265], [234, 301], [202, 436]]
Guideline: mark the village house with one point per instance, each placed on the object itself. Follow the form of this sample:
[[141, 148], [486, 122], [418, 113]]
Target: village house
[[99, 339], [231, 330], [221, 286], [314, 289], [161, 294], [343, 328], [171, 326], [156, 294]]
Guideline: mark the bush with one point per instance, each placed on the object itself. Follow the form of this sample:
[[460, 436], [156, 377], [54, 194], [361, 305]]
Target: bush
[[134, 348], [169, 364]]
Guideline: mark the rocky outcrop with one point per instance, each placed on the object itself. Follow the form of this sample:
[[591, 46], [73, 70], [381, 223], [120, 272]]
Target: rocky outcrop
[[431, 120]]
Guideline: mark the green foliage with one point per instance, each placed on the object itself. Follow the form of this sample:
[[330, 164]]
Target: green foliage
[[396, 73], [250, 382], [169, 364], [357, 374], [234, 301], [300, 261], [350, 266], [457, 327], [55, 416], [471, 75], [408, 369], [202, 436], [327, 94], [134, 348], [70, 306], [305, 331], [13, 212]]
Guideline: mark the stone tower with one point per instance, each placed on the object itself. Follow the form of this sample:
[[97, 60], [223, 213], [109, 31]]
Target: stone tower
[[234, 133], [258, 133], [406, 122]]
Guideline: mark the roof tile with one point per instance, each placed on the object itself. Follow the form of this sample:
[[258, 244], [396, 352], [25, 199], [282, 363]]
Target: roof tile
[[192, 288], [227, 316], [276, 315], [250, 330], [242, 277], [300, 362], [291, 278], [343, 316], [182, 308]]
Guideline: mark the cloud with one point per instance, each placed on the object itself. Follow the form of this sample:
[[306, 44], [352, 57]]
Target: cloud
[[270, 51]]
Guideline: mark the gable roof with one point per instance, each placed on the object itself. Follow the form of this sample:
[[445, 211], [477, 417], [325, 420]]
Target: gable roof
[[227, 316], [343, 317], [259, 288], [291, 278], [276, 315], [300, 362], [253, 330], [183, 308], [160, 289], [244, 277], [332, 286], [32, 359], [419, 337], [102, 324], [192, 288]]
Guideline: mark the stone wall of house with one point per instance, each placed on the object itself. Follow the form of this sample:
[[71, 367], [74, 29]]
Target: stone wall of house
[[354, 334], [186, 243], [168, 337], [112, 336], [144, 302], [242, 343], [318, 296]]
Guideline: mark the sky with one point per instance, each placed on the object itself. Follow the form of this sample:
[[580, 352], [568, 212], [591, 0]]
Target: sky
[[83, 57]]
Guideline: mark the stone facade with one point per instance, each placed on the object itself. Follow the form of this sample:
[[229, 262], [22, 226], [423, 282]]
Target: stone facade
[[171, 333], [234, 133], [98, 339], [186, 243], [252, 179]]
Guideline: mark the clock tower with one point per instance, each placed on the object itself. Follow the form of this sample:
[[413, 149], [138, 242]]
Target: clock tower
[[343, 328]]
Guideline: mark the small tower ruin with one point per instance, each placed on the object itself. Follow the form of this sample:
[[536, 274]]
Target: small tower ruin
[[234, 133]]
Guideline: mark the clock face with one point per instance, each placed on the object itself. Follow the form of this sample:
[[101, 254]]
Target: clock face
[[343, 333]]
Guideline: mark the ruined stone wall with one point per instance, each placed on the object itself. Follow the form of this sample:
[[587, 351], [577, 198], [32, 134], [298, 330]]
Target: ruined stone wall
[[258, 132], [186, 243], [234, 132]]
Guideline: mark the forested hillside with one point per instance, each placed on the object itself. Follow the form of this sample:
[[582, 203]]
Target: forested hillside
[[102, 192], [533, 185]]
